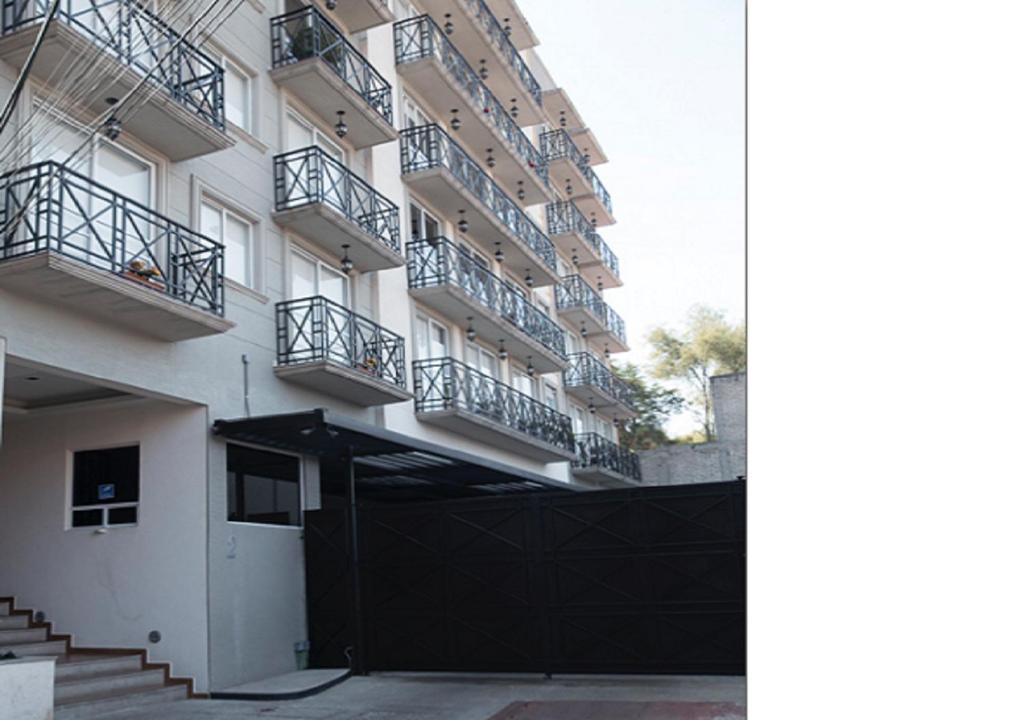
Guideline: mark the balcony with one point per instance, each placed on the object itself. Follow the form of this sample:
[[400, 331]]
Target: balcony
[[314, 62], [325, 202], [571, 173], [589, 381], [357, 15], [482, 39], [435, 167], [430, 64], [602, 461], [448, 279], [72, 241], [582, 306], [455, 396], [573, 234], [328, 348], [121, 43]]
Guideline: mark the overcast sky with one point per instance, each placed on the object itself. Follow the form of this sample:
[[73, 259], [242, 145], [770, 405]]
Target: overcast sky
[[661, 84]]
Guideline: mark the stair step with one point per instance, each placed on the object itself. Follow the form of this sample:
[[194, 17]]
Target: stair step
[[67, 691], [84, 665], [8, 622], [101, 705], [16, 636], [49, 647], [5, 607]]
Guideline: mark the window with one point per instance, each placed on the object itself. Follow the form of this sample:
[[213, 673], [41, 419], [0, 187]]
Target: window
[[300, 133], [235, 233], [572, 342], [423, 225], [237, 95], [431, 338], [105, 487], [414, 116], [524, 383], [482, 360], [263, 487], [310, 276], [89, 233], [551, 396], [579, 420]]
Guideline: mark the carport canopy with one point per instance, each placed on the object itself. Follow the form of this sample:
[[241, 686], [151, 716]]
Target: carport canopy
[[387, 465]]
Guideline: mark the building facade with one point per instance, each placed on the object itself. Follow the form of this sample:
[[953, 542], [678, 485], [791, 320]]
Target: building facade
[[388, 210]]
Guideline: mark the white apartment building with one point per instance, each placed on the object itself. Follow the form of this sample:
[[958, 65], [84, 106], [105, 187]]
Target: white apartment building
[[355, 226]]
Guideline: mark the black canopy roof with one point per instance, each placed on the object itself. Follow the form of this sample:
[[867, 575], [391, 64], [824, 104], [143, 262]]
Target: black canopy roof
[[389, 466]]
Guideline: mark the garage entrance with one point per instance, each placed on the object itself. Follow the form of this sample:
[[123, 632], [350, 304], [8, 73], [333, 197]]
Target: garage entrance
[[425, 558], [646, 580]]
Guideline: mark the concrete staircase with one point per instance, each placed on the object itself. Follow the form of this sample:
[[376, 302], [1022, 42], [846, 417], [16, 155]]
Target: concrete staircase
[[89, 683]]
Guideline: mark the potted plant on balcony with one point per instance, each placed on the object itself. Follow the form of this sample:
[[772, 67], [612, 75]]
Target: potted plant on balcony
[[369, 364], [143, 272], [312, 40]]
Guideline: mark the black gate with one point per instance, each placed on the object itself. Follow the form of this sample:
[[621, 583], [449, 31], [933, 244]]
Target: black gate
[[645, 580]]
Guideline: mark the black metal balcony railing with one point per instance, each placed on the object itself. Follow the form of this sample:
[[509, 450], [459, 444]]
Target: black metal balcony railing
[[142, 41], [316, 329], [586, 370], [419, 38], [306, 33], [564, 217], [446, 384], [592, 450], [574, 292], [48, 208], [496, 33], [438, 261], [428, 146], [556, 145], [309, 175]]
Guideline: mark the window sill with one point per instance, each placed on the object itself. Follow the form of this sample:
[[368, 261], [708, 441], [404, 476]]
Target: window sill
[[264, 525]]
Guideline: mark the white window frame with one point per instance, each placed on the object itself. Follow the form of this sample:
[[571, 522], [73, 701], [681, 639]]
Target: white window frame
[[417, 208], [320, 138], [431, 323], [295, 247], [553, 389], [70, 507], [206, 198], [230, 65]]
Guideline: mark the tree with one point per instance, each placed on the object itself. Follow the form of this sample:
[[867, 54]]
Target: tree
[[706, 347], [654, 404]]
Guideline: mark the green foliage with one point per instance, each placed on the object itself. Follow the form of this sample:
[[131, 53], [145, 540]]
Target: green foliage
[[690, 438], [706, 347], [654, 403]]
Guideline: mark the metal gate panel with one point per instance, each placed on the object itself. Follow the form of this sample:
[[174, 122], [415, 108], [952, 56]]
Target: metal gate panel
[[645, 580]]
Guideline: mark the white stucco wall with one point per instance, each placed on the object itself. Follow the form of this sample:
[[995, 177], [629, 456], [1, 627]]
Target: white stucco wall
[[111, 590]]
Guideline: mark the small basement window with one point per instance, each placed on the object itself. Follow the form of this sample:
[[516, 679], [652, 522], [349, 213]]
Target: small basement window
[[263, 487], [105, 487]]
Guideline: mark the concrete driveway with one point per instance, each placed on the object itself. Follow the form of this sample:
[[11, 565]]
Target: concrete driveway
[[449, 696]]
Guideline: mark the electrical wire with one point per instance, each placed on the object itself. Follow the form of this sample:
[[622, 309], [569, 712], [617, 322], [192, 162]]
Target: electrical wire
[[49, 117], [139, 89], [12, 99]]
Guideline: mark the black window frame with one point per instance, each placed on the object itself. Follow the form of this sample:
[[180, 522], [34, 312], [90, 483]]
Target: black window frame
[[232, 486]]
